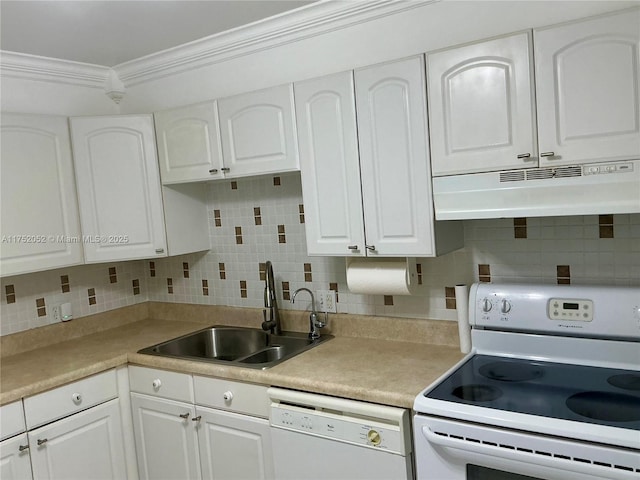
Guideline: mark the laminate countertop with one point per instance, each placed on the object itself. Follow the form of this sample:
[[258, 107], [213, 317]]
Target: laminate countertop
[[384, 371]]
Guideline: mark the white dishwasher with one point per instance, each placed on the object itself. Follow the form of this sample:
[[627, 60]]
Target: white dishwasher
[[319, 437]]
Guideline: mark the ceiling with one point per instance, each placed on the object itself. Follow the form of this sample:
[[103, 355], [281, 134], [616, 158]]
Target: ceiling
[[112, 32]]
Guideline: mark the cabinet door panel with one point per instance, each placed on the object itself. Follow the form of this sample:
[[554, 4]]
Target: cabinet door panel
[[258, 132], [15, 464], [394, 159], [39, 203], [118, 187], [87, 445], [329, 164], [481, 107], [227, 437], [189, 145], [588, 84], [166, 443]]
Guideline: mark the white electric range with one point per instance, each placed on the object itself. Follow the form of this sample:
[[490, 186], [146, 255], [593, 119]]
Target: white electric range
[[550, 390]]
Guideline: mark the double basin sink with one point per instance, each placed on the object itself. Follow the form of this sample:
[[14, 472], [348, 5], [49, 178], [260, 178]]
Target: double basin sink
[[238, 346]]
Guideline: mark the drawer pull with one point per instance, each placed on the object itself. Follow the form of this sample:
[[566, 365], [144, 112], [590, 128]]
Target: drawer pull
[[42, 441], [213, 170], [225, 169], [371, 248], [353, 247], [156, 384], [22, 448], [184, 415], [227, 396], [196, 419], [77, 398], [524, 155], [548, 154]]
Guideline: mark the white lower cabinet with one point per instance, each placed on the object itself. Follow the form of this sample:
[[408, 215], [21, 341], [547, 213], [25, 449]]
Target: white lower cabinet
[[87, 445], [166, 438], [179, 435], [15, 462]]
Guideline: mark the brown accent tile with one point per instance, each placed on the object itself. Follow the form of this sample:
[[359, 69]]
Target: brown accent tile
[[91, 292], [450, 298], [257, 216], [282, 238], [39, 302], [286, 292], [484, 273], [11, 298], [243, 289], [334, 286], [216, 218], [388, 300], [185, 269], [238, 235], [42, 312], [113, 276], [112, 270], [92, 300], [606, 226], [169, 281], [563, 273], [8, 289], [564, 281], [234, 185], [64, 284], [520, 227], [135, 283], [450, 303], [205, 287], [243, 284], [262, 270], [307, 272], [223, 273], [170, 285], [152, 269], [307, 267], [301, 212], [449, 292], [419, 273], [276, 181], [605, 219]]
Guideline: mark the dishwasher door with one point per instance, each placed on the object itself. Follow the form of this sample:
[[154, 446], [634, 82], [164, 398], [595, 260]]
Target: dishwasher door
[[325, 438]]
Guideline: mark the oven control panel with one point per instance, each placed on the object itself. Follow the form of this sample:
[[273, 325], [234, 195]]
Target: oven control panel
[[571, 309], [575, 310]]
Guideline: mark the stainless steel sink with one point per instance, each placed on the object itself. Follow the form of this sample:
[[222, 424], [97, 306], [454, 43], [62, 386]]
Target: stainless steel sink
[[245, 347]]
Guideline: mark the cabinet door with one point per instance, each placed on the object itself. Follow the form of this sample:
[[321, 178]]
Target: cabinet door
[[189, 146], [234, 446], [481, 107], [329, 165], [394, 158], [15, 462], [258, 132], [39, 208], [87, 445], [118, 187], [588, 87], [166, 438]]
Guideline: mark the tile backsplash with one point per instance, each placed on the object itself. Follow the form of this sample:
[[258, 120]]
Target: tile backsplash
[[259, 219]]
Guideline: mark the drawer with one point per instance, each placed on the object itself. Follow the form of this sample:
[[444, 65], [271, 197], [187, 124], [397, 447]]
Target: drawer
[[74, 397], [11, 420], [161, 383], [233, 396]]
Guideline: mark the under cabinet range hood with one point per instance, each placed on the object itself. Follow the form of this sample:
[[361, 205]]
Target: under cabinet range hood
[[588, 189]]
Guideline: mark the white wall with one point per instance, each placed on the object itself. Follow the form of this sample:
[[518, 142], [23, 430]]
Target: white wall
[[424, 28]]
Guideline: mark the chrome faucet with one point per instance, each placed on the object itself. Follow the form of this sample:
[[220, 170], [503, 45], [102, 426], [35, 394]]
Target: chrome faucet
[[270, 312], [314, 323]]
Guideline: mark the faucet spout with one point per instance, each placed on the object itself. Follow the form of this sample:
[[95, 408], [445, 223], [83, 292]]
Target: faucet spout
[[270, 312], [314, 323]]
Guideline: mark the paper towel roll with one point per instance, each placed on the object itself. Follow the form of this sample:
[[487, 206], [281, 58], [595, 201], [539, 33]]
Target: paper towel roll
[[380, 277], [462, 308]]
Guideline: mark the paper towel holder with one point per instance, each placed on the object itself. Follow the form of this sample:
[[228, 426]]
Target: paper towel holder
[[408, 265]]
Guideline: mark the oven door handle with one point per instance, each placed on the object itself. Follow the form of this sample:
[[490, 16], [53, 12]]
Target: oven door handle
[[564, 468]]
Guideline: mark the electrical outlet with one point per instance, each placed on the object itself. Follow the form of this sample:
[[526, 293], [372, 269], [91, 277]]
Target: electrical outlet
[[57, 314], [327, 301]]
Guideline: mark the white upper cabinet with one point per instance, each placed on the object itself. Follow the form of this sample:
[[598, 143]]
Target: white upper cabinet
[[189, 147], [588, 87], [40, 225], [329, 164], [481, 107], [118, 187], [258, 132], [374, 200]]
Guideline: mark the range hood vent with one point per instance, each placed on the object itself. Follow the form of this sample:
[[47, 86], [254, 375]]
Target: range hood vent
[[590, 189]]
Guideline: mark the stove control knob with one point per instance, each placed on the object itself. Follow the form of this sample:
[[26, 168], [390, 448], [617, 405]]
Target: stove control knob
[[374, 437], [505, 306], [486, 305]]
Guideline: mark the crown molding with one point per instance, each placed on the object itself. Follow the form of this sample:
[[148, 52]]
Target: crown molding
[[33, 67], [315, 19]]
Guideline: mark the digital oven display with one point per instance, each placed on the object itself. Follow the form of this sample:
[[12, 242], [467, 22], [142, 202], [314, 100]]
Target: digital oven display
[[570, 306]]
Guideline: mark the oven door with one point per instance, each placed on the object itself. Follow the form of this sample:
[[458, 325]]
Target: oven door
[[455, 450]]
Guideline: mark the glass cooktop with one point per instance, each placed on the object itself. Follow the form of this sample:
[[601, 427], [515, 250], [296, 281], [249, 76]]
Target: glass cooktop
[[597, 395]]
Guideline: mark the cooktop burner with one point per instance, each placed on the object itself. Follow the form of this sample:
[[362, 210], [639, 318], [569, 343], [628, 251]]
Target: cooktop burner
[[510, 371], [581, 393]]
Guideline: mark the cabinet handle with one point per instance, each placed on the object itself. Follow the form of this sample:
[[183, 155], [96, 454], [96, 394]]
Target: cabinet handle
[[524, 155], [353, 247], [196, 419], [371, 248], [42, 441], [227, 396], [159, 250], [77, 398], [213, 170], [225, 169], [548, 154], [156, 384], [184, 415], [22, 448]]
